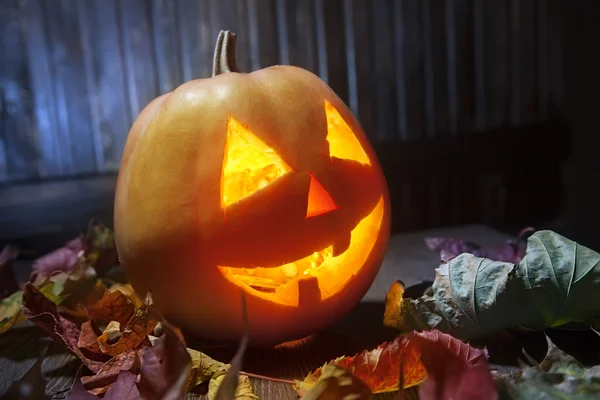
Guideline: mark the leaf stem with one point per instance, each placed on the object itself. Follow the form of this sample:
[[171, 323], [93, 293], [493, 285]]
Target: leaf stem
[[267, 378]]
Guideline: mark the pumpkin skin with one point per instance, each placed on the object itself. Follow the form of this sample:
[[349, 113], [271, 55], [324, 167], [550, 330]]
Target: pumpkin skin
[[177, 238]]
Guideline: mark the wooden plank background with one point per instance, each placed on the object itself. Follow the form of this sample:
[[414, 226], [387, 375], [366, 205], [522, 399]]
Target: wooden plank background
[[74, 74]]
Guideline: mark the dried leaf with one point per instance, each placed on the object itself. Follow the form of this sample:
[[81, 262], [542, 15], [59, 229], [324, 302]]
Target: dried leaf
[[43, 312], [203, 368], [125, 388], [109, 372], [128, 291], [337, 383], [558, 376], [11, 311], [228, 387], [455, 369], [474, 297], [88, 338], [8, 283], [139, 326], [113, 306], [77, 391], [511, 251], [165, 366], [64, 259], [31, 386], [378, 368], [243, 390]]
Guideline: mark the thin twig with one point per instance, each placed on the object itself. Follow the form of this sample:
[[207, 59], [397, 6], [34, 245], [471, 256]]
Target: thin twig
[[267, 378]]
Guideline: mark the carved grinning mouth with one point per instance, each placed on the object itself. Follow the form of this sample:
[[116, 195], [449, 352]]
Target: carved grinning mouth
[[269, 279]]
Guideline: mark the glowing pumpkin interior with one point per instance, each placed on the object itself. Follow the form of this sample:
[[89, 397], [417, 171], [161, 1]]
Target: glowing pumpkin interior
[[250, 165]]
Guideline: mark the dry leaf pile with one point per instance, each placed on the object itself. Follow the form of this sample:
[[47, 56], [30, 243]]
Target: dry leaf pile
[[129, 351]]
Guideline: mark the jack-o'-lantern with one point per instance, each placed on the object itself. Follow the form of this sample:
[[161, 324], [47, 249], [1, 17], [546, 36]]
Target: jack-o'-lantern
[[263, 183]]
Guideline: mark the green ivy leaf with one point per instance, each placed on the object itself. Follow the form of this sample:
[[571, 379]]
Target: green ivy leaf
[[556, 282]]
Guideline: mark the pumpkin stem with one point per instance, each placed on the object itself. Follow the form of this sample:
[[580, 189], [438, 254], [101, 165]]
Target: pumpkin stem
[[224, 59]]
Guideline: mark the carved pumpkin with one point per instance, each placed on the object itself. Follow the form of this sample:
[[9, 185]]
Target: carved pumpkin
[[263, 183]]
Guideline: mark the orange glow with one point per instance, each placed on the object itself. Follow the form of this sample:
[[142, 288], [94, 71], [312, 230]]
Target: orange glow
[[319, 201], [248, 164], [342, 141], [281, 284]]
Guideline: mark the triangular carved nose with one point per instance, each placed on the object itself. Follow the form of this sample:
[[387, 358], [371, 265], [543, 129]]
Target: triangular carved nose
[[319, 201]]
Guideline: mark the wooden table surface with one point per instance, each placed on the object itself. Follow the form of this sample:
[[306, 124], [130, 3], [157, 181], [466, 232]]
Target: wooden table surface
[[407, 259]]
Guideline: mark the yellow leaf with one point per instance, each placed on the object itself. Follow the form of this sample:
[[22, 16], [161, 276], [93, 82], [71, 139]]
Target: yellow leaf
[[128, 291], [203, 368], [336, 383], [243, 392], [11, 312]]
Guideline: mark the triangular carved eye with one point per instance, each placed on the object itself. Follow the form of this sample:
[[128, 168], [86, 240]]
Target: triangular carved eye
[[248, 164], [342, 141], [319, 201]]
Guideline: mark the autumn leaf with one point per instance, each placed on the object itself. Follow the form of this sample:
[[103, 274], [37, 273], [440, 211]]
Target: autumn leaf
[[108, 373], [113, 306], [203, 368], [11, 311], [474, 297], [88, 338], [64, 259], [455, 370], [336, 382], [128, 291], [137, 329], [11, 307], [43, 312], [511, 251], [379, 368], [125, 388], [559, 375], [165, 366], [8, 283]]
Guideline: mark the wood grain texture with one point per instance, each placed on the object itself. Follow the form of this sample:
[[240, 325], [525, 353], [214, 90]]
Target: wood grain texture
[[407, 259], [106, 80], [18, 154]]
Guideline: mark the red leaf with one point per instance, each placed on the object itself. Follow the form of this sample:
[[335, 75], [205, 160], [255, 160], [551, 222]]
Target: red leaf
[[455, 369], [109, 372], [88, 338], [165, 366], [378, 368], [64, 259], [43, 312], [125, 388]]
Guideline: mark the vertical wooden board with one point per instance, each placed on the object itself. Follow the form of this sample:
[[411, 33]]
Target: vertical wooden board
[[167, 48], [497, 62], [523, 62], [231, 15], [408, 18], [138, 52], [351, 56], [556, 29], [321, 41], [302, 34], [105, 71], [263, 34], [18, 156], [436, 75], [195, 39], [479, 56], [54, 155], [385, 100], [283, 31], [70, 84], [337, 76], [363, 68], [460, 47]]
